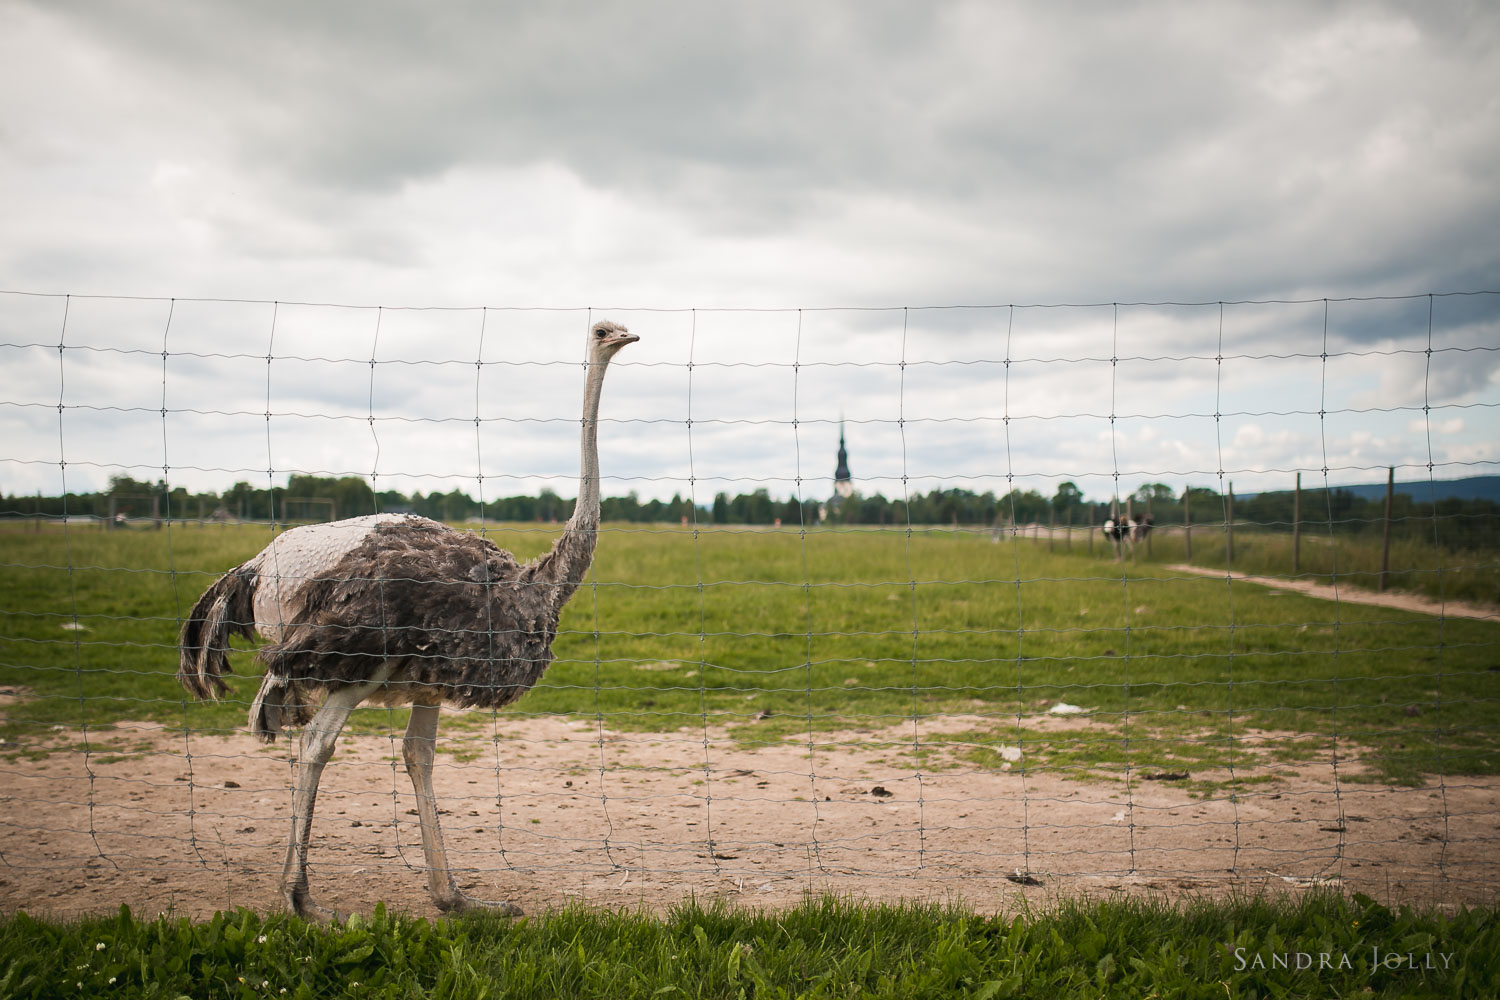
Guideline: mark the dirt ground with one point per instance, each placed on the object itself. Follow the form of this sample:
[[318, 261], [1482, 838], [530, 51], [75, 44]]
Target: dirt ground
[[1356, 595], [166, 822]]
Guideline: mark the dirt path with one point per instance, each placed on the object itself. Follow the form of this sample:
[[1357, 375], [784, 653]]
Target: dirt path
[[549, 810], [1356, 595]]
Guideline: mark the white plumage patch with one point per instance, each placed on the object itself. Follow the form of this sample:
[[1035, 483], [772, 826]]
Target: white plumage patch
[[302, 555]]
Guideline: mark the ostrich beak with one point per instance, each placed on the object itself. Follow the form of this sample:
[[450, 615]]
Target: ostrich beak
[[620, 339]]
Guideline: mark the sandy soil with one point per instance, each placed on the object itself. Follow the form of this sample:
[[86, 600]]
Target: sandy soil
[[1356, 595], [164, 821]]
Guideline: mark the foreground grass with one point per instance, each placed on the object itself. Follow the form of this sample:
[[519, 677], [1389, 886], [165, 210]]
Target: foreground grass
[[776, 634], [824, 948]]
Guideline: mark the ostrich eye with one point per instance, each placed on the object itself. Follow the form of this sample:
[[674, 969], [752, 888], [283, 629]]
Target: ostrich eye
[[598, 333]]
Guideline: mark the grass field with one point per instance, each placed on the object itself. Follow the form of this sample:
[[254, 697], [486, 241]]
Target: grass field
[[827, 948], [773, 634], [769, 636], [1415, 566]]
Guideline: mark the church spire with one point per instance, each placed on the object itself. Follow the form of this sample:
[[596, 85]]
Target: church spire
[[843, 483]]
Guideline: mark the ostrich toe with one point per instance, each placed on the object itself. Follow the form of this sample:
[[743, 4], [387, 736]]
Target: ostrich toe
[[303, 905], [459, 902]]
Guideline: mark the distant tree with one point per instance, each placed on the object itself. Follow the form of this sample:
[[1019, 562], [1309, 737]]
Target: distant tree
[[750, 508], [625, 508], [721, 509], [1023, 506], [549, 506], [1068, 495], [1157, 492], [125, 484]]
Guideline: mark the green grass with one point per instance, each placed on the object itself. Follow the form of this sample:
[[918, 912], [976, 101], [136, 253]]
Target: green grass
[[774, 635], [823, 948], [1415, 565]]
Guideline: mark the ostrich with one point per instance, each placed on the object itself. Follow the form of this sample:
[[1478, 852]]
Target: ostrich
[[395, 610], [1129, 532]]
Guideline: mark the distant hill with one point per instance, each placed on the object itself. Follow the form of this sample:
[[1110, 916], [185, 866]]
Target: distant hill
[[1472, 488]]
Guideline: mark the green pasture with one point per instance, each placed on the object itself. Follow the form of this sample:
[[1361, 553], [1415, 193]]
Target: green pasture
[[823, 948], [780, 634], [1415, 565]]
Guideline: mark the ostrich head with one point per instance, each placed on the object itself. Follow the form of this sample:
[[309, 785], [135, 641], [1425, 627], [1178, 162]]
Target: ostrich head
[[606, 339]]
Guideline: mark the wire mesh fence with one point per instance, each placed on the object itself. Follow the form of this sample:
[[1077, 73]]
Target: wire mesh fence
[[975, 600]]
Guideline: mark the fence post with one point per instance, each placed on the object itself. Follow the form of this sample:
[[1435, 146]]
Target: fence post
[[1051, 528], [1187, 523], [156, 510], [1297, 527], [1091, 529], [1229, 529], [1149, 531], [1068, 527], [1385, 546]]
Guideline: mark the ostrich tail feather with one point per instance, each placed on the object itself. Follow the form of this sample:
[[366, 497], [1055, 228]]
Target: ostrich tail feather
[[224, 610], [279, 703]]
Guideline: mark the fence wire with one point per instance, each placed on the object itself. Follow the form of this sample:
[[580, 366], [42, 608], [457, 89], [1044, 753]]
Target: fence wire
[[941, 678]]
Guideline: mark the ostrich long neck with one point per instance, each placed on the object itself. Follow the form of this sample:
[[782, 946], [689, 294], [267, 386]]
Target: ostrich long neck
[[569, 559]]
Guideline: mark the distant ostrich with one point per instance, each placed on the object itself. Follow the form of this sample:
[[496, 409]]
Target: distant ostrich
[[396, 610], [1128, 533]]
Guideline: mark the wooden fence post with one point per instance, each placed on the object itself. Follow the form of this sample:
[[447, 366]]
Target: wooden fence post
[[1229, 529], [1148, 530], [1051, 527], [1385, 547], [1068, 527], [1297, 527], [1091, 529], [1187, 523]]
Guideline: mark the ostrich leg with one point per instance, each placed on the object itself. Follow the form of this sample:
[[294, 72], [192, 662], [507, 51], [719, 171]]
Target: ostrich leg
[[316, 746], [419, 748]]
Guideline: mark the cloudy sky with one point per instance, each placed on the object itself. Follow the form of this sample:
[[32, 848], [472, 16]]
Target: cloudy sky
[[777, 197]]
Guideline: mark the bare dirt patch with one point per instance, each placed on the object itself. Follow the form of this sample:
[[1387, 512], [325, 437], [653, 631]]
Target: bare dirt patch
[[545, 811], [1357, 595]]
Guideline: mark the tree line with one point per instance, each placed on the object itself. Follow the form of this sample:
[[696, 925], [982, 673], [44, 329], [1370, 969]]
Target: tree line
[[313, 498]]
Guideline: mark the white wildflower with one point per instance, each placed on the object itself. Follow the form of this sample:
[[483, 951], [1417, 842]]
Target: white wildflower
[[99, 946], [111, 980], [261, 939]]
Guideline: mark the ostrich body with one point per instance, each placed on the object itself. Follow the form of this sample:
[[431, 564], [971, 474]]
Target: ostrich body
[[1128, 532], [394, 609]]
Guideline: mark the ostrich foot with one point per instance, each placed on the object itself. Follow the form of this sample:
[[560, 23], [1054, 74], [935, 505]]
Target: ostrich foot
[[458, 902], [303, 905]]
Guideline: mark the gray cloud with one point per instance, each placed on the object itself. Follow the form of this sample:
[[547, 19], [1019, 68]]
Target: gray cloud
[[1216, 152], [688, 155]]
